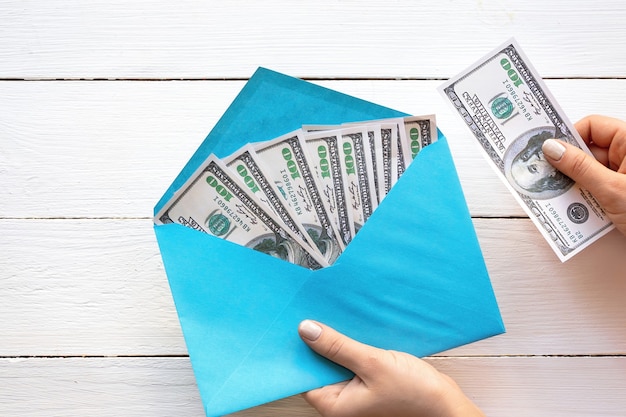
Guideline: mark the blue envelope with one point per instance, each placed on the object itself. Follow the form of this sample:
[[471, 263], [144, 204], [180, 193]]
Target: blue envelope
[[413, 279]]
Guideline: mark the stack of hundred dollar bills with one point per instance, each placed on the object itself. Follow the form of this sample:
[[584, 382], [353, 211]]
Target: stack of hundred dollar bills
[[303, 196]]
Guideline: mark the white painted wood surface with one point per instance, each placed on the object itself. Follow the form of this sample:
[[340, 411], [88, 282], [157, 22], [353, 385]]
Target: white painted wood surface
[[102, 103]]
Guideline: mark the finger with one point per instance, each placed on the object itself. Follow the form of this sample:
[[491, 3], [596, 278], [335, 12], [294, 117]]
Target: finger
[[601, 130], [322, 399], [601, 154], [333, 399], [337, 347], [579, 166]]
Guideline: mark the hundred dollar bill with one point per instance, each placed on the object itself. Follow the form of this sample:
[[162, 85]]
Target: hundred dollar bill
[[242, 164], [284, 160], [401, 161], [324, 150], [511, 113], [215, 202], [414, 133], [392, 159], [376, 149], [389, 162], [417, 133], [358, 173]]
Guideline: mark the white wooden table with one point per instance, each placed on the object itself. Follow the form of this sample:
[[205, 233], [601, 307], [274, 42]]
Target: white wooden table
[[103, 102]]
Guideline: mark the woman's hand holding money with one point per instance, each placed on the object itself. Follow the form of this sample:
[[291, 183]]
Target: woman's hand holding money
[[605, 175]]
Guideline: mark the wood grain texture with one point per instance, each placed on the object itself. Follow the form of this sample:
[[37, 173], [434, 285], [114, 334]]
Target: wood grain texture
[[75, 287], [110, 149], [98, 387], [119, 94], [370, 39], [97, 287], [41, 387]]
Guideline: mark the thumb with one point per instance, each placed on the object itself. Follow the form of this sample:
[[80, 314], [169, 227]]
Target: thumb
[[581, 167], [337, 347]]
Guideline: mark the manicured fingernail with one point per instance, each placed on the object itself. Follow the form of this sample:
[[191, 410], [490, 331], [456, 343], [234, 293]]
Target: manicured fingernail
[[309, 330], [553, 149]]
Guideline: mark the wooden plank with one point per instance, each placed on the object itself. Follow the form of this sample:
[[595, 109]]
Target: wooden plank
[[511, 386], [73, 287], [371, 39], [110, 149], [548, 307], [542, 386], [98, 387], [97, 287]]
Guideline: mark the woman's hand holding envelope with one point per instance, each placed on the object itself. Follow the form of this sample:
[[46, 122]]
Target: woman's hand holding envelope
[[386, 383]]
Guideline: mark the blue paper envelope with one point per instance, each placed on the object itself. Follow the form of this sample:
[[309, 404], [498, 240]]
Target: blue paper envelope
[[413, 279]]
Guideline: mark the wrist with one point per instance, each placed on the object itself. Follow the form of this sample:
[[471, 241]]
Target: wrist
[[456, 404], [468, 410]]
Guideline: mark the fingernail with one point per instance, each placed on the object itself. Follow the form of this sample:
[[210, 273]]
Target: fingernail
[[553, 149], [310, 330]]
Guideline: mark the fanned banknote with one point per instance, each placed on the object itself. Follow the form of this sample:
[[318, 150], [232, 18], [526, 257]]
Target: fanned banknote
[[324, 149], [375, 140], [414, 133], [389, 163], [358, 172], [417, 133], [511, 113], [284, 160], [242, 164], [213, 201]]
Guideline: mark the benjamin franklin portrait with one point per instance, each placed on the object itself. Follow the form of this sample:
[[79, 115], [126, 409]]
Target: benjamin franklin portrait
[[529, 172]]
